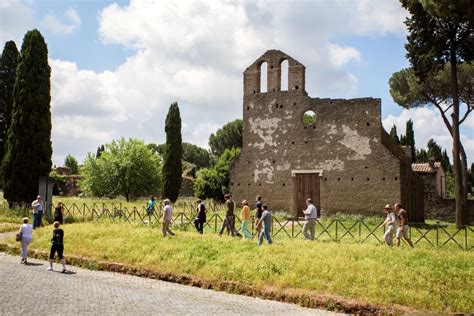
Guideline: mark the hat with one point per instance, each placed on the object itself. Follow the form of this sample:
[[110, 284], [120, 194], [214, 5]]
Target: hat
[[244, 202], [166, 200], [387, 207]]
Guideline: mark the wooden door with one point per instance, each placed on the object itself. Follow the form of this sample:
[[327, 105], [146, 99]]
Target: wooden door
[[307, 186]]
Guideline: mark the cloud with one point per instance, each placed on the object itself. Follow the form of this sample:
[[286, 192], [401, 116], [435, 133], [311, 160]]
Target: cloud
[[194, 52], [53, 23], [15, 19], [427, 124], [339, 56]]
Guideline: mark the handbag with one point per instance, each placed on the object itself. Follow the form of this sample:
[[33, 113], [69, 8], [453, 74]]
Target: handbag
[[18, 236]]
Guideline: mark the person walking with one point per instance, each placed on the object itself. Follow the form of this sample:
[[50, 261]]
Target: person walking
[[59, 213], [200, 216], [150, 207], [26, 232], [245, 217], [310, 216], [167, 211], [38, 209], [266, 220], [390, 221], [57, 246], [402, 230], [229, 216], [258, 214]]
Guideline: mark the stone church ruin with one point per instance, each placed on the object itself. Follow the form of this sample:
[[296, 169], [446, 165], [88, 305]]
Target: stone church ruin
[[332, 150]]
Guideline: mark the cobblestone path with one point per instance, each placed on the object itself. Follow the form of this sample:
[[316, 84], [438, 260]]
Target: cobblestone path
[[33, 290]]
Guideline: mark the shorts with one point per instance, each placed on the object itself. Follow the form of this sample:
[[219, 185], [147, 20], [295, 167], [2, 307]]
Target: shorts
[[403, 233], [56, 248]]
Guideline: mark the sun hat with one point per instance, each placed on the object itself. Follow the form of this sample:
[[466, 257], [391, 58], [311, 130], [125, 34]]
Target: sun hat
[[387, 207]]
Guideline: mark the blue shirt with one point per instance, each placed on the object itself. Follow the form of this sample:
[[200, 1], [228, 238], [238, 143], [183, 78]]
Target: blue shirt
[[267, 219], [151, 205]]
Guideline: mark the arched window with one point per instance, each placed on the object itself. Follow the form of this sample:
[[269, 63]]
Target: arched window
[[263, 77], [284, 75]]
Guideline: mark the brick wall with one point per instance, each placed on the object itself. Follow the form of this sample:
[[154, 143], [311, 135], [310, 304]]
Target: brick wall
[[358, 173]]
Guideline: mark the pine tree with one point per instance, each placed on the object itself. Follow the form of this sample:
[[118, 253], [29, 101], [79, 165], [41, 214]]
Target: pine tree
[[8, 64], [28, 149], [394, 135], [172, 164]]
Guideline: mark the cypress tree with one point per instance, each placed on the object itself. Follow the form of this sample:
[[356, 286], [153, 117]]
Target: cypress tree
[[410, 139], [394, 135], [28, 149], [172, 164], [8, 64]]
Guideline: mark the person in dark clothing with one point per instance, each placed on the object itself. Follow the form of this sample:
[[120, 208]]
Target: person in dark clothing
[[200, 216], [229, 217], [57, 246], [258, 214], [59, 213]]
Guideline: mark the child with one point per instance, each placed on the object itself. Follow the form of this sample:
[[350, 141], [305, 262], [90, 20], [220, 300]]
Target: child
[[57, 246]]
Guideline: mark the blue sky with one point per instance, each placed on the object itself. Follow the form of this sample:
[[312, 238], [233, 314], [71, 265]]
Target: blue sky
[[117, 65]]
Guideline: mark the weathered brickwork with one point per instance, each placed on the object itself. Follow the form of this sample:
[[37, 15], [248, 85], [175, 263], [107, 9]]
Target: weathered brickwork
[[358, 167]]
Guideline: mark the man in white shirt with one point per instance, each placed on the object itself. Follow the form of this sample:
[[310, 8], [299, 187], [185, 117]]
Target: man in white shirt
[[167, 211], [38, 209], [310, 215]]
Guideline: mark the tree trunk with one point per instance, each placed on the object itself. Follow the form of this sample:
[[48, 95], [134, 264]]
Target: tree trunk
[[458, 178]]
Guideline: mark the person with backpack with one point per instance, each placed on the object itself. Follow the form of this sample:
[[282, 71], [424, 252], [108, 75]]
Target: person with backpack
[[150, 208], [200, 216], [57, 246]]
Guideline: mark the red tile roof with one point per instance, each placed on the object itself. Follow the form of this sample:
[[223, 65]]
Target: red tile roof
[[425, 167]]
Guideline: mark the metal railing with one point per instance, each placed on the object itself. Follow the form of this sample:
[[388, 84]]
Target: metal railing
[[332, 229]]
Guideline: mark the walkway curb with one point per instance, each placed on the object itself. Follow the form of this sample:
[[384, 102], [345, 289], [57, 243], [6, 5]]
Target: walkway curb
[[299, 297]]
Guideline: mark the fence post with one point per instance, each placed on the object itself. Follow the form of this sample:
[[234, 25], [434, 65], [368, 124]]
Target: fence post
[[360, 230], [465, 237], [437, 234]]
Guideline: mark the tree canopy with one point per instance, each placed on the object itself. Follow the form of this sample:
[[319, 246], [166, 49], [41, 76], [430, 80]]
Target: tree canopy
[[125, 167], [227, 137], [192, 154], [214, 182], [28, 149], [441, 32], [72, 164]]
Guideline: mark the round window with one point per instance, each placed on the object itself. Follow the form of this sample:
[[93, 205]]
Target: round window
[[309, 117]]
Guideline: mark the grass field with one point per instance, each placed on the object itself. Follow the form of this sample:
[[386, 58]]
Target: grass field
[[433, 280]]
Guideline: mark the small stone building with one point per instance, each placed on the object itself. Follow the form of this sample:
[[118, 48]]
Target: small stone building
[[332, 150], [433, 175]]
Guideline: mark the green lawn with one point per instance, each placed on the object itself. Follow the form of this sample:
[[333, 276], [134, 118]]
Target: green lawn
[[435, 280]]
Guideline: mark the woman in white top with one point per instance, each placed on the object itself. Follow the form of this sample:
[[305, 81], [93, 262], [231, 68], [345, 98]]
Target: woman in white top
[[26, 231], [390, 221]]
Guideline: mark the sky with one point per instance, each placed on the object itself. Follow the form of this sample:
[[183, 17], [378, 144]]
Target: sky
[[118, 65]]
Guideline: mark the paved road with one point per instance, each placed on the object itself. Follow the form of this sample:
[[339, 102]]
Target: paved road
[[33, 290]]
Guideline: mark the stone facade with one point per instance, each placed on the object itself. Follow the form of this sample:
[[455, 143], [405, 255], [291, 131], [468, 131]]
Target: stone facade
[[345, 160]]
